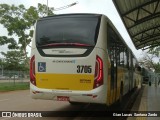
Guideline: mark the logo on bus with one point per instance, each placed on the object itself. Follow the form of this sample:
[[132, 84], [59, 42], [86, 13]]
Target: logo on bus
[[41, 67], [64, 61]]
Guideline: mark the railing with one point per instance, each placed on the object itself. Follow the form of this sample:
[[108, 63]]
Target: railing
[[14, 76]]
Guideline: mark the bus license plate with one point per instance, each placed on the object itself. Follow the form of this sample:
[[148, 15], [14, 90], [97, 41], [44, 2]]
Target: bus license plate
[[62, 98]]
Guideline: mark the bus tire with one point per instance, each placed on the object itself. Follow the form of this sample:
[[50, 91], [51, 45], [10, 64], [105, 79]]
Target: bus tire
[[75, 103]]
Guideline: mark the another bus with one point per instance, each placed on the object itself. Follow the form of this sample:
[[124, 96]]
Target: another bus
[[81, 58]]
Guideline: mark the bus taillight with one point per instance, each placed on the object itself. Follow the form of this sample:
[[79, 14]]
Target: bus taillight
[[98, 81], [32, 71]]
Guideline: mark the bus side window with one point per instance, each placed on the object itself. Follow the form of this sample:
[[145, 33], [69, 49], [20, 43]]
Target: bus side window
[[125, 58], [128, 59], [122, 57]]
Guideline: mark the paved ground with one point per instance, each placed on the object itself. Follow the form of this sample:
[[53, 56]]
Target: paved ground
[[21, 101], [153, 100], [148, 100]]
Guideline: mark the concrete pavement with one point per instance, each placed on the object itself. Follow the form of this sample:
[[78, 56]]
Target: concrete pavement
[[148, 100]]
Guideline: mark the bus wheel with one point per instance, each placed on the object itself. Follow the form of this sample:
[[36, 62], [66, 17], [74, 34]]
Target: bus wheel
[[75, 103]]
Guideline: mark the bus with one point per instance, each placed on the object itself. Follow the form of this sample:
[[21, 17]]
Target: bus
[[81, 58]]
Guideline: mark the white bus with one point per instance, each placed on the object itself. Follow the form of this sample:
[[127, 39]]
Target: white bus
[[80, 58]]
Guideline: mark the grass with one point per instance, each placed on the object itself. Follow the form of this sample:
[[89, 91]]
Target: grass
[[13, 86]]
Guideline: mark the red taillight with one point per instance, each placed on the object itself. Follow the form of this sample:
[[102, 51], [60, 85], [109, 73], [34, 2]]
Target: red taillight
[[32, 71], [98, 81]]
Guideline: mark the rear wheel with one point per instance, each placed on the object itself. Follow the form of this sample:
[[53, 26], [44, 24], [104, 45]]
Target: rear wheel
[[76, 103]]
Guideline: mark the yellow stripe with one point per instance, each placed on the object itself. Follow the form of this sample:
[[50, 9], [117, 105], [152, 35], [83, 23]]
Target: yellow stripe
[[65, 81]]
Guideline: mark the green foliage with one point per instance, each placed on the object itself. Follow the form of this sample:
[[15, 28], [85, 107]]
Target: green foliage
[[11, 86], [157, 67], [150, 58], [156, 53], [14, 60], [19, 21], [12, 44], [42, 10]]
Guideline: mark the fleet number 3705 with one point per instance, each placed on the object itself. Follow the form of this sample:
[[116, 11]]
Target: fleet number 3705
[[84, 69]]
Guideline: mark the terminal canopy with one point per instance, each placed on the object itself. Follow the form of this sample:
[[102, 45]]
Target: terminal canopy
[[142, 21]]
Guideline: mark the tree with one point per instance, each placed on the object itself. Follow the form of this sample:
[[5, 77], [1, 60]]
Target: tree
[[155, 51], [19, 21], [12, 44], [14, 60], [150, 57]]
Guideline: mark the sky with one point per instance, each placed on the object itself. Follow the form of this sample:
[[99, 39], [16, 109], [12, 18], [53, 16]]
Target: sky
[[105, 7]]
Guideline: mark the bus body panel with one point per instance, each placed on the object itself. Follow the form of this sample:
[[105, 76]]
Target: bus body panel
[[93, 96], [62, 79], [68, 73], [63, 73]]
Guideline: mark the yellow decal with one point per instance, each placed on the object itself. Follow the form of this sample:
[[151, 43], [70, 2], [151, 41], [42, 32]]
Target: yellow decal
[[65, 81]]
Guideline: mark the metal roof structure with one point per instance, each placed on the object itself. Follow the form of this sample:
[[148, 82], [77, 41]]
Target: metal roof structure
[[142, 21]]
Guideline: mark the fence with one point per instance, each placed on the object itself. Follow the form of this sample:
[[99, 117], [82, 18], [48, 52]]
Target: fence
[[151, 77], [14, 80], [154, 78], [14, 76]]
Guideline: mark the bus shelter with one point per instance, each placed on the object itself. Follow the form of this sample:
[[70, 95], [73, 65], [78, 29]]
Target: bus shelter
[[142, 21]]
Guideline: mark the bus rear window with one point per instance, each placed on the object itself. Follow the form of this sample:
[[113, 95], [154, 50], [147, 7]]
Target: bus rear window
[[71, 30]]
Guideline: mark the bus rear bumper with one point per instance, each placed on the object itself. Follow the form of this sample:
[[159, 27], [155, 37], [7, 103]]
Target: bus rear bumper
[[93, 96]]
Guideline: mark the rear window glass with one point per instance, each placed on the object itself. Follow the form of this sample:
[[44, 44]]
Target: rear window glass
[[83, 30]]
